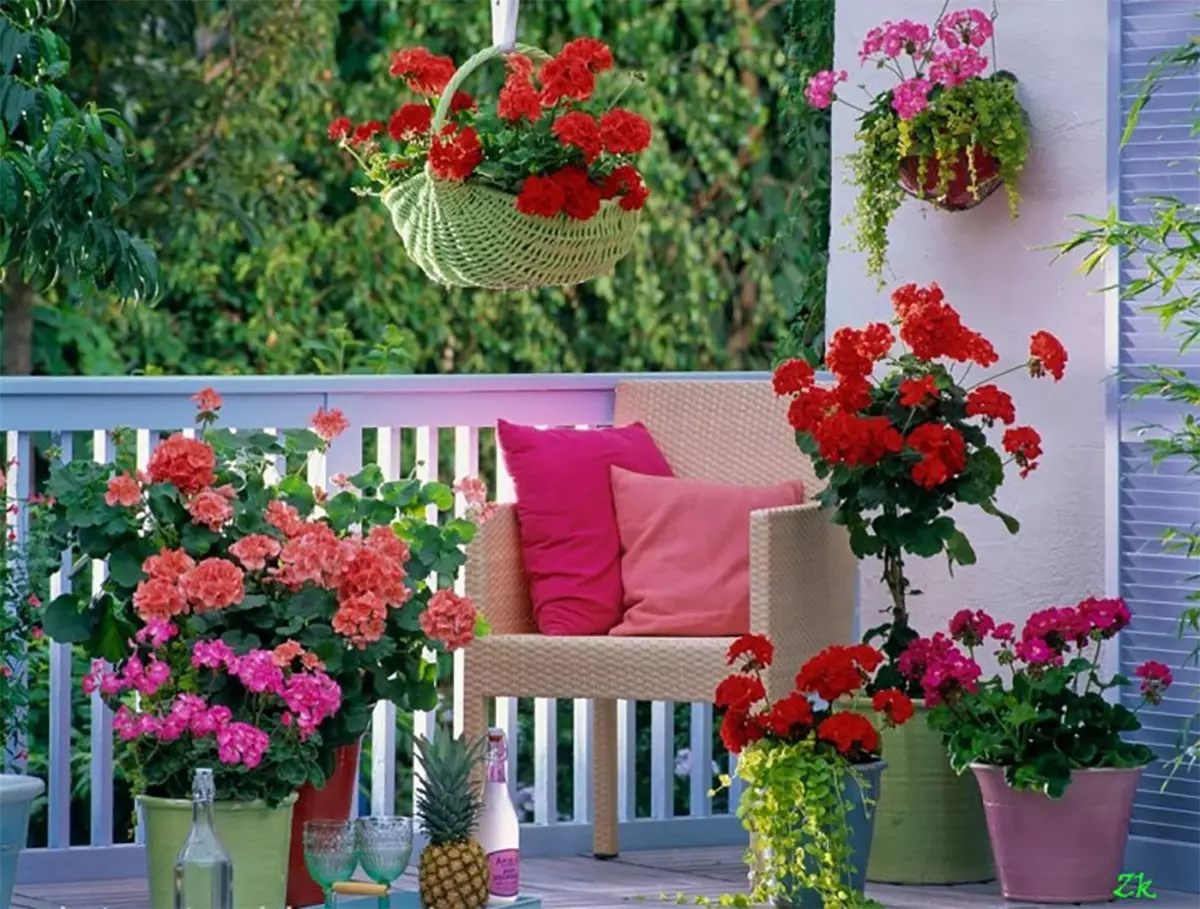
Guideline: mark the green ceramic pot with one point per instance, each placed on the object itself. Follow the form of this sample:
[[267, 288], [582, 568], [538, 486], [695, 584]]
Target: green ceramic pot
[[929, 825], [255, 836]]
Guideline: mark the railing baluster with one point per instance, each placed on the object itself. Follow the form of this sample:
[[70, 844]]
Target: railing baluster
[[383, 720], [545, 761], [506, 708], [700, 760], [466, 464], [20, 486], [59, 782], [626, 760], [581, 775], [425, 721], [662, 760], [146, 442], [101, 726]]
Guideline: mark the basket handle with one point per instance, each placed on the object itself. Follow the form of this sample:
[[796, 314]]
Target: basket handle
[[443, 108]]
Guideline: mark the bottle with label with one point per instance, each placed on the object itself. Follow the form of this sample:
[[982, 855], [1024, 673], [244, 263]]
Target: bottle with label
[[203, 869], [499, 831]]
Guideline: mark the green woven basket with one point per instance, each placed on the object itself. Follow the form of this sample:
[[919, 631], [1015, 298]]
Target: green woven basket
[[466, 235]]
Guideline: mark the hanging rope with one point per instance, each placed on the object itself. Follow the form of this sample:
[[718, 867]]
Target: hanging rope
[[504, 23]]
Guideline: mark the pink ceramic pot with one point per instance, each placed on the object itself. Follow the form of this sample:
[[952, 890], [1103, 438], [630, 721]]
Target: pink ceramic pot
[[1068, 850]]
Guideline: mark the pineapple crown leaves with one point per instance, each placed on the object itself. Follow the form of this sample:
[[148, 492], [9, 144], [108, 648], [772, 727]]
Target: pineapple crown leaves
[[450, 802]]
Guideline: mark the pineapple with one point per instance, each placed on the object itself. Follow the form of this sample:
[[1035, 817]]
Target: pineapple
[[454, 868]]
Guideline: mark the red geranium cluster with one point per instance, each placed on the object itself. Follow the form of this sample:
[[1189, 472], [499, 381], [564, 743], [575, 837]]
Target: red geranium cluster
[[835, 672], [858, 423], [545, 140]]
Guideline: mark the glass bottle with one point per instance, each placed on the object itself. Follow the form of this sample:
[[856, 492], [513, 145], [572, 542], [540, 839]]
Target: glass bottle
[[203, 869], [499, 831]]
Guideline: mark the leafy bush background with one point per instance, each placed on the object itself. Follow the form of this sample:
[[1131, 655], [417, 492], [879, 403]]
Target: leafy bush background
[[269, 264]]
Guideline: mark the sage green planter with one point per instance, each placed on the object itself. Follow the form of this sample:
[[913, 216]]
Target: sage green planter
[[929, 823], [255, 836]]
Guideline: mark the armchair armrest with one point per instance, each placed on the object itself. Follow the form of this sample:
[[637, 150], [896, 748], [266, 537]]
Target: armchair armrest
[[802, 584], [495, 576]]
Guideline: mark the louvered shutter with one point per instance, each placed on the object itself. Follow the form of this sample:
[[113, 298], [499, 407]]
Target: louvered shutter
[[1160, 159]]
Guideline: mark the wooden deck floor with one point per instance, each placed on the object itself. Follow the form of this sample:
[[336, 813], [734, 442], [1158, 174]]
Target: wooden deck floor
[[584, 883]]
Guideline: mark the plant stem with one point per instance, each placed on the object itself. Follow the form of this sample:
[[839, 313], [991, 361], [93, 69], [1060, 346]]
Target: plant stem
[[1011, 369]]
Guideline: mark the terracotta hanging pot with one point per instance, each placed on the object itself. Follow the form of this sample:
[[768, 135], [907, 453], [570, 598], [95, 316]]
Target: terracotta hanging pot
[[329, 803], [960, 194]]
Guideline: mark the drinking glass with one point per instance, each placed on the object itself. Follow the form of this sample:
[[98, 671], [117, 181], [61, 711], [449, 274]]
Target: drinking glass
[[384, 848], [331, 854]]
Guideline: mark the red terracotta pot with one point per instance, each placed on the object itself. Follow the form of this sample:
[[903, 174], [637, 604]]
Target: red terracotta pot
[[329, 803], [959, 194]]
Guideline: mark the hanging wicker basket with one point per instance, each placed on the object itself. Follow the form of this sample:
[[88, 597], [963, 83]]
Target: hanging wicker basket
[[974, 175], [463, 234]]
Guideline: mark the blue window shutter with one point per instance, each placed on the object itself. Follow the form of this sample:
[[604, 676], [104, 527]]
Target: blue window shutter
[[1160, 159]]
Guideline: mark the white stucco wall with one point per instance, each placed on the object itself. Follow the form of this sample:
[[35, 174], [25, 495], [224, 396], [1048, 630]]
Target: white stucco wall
[[991, 272]]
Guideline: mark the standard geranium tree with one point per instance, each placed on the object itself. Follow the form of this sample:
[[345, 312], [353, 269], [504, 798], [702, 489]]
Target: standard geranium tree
[[901, 446]]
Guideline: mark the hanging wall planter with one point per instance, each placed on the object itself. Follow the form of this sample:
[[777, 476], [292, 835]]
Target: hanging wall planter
[[537, 189], [950, 135]]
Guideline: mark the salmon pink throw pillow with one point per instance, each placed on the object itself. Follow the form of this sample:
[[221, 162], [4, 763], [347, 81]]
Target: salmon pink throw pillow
[[685, 552], [569, 541]]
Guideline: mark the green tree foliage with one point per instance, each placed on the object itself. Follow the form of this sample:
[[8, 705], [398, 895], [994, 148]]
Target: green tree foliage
[[272, 265], [64, 179]]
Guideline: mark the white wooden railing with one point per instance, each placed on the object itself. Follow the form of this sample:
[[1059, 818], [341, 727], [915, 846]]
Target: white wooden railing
[[411, 420]]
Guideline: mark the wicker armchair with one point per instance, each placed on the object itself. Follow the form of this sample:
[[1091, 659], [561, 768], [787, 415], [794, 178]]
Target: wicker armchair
[[802, 583]]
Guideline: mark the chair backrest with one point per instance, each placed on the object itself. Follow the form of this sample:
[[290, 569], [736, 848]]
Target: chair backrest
[[731, 431]]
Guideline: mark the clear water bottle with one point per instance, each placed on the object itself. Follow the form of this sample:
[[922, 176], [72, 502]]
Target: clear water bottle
[[203, 869]]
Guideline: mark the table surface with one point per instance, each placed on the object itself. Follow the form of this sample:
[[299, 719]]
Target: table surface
[[410, 899]]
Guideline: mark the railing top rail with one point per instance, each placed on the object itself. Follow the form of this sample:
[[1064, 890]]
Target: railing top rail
[[35, 386]]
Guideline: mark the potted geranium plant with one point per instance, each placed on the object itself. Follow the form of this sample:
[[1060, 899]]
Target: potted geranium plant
[[948, 132], [811, 771], [24, 570], [1045, 743], [538, 188], [336, 582], [898, 452]]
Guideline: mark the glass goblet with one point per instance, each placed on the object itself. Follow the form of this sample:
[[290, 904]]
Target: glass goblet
[[330, 853], [384, 848]]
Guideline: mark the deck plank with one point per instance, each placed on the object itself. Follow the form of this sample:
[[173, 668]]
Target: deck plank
[[581, 882]]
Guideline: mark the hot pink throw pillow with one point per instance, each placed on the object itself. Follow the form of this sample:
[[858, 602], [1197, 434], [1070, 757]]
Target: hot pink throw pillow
[[568, 526], [685, 552]]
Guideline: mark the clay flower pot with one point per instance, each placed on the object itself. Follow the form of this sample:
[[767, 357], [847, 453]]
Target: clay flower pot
[[1067, 850], [959, 193]]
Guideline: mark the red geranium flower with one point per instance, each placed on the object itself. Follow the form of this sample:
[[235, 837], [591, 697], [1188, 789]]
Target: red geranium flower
[[738, 730], [425, 73], [541, 196], [854, 353], [566, 78], [365, 132], [626, 182], [461, 101], [1046, 355], [913, 392], [792, 377], [832, 673], [578, 130], [457, 158], [594, 54], [853, 393], [739, 692], [518, 97], [894, 704], [410, 121], [1025, 445], [624, 132], [755, 651], [944, 450], [581, 196], [934, 329], [992, 404], [849, 732], [845, 438], [810, 408], [340, 128], [788, 713]]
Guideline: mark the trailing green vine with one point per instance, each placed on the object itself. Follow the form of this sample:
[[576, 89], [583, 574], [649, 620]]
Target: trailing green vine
[[948, 116]]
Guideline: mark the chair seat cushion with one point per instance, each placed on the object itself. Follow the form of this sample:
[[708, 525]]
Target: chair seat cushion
[[568, 527], [685, 552], [646, 669]]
